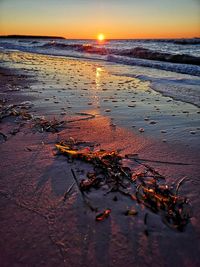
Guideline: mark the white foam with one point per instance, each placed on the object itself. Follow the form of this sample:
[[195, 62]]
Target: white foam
[[179, 68], [181, 87]]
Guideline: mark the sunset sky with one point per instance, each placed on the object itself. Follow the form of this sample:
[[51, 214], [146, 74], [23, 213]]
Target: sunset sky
[[114, 18]]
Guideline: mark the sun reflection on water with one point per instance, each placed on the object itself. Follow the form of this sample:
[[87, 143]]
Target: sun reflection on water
[[98, 77]]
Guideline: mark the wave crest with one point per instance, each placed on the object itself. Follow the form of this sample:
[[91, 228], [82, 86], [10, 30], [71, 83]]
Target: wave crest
[[137, 52]]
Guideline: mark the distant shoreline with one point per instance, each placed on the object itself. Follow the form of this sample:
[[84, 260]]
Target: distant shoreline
[[15, 36]]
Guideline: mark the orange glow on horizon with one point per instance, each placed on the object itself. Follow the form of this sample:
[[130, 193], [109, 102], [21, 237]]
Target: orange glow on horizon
[[113, 33], [110, 30]]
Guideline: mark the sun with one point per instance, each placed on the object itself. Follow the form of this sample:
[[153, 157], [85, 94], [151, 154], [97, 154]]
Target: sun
[[101, 37]]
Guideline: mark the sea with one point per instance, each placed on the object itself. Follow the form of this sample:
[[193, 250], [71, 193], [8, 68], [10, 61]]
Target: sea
[[171, 65]]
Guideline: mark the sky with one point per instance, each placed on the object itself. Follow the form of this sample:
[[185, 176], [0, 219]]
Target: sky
[[114, 18]]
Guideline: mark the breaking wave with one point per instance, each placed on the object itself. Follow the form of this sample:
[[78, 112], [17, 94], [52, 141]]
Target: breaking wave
[[137, 52]]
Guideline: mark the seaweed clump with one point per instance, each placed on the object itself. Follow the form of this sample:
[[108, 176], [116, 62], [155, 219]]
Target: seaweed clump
[[15, 111], [148, 186], [21, 111], [41, 125]]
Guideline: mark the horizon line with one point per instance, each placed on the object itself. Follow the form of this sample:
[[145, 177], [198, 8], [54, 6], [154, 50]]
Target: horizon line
[[68, 38]]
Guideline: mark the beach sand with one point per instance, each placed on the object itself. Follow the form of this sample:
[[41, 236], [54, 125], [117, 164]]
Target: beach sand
[[115, 112]]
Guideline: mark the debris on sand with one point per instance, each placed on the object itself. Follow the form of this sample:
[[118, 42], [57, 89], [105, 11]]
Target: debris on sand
[[41, 125], [16, 111], [103, 215], [131, 212], [148, 186], [91, 181], [68, 191], [14, 131], [3, 137]]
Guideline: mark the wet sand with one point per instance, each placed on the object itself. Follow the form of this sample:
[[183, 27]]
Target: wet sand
[[37, 227]]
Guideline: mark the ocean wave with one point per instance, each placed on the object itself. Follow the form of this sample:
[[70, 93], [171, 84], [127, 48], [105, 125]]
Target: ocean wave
[[179, 41], [54, 44], [179, 68], [88, 48], [144, 53], [137, 52], [193, 41]]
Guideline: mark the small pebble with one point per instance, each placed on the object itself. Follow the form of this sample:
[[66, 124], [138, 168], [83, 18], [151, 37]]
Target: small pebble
[[131, 212], [152, 122], [131, 106], [141, 130]]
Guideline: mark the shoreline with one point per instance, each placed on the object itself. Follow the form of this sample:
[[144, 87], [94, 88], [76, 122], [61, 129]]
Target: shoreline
[[33, 186]]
